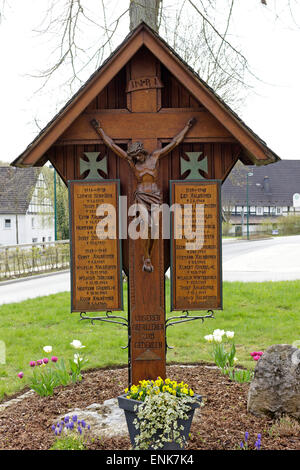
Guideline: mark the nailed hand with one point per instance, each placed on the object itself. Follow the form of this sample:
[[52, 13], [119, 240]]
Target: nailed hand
[[191, 122]]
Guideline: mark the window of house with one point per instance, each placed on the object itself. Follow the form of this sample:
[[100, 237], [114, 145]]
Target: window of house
[[49, 239], [252, 210], [259, 210], [266, 210], [7, 223], [278, 210], [34, 240], [32, 222], [272, 210], [239, 209]]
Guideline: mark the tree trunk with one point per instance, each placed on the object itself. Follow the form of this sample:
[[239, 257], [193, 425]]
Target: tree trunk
[[144, 10]]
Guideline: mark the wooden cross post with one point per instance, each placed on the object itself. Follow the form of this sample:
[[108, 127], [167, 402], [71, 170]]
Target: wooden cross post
[[146, 290], [143, 122]]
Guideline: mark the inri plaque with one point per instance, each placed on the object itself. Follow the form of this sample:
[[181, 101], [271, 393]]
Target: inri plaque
[[196, 276], [96, 271]]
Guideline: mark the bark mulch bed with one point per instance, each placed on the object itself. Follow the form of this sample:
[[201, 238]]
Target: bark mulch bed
[[221, 424]]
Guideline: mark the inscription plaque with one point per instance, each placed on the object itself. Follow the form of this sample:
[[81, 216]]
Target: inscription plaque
[[196, 278], [96, 272], [143, 83]]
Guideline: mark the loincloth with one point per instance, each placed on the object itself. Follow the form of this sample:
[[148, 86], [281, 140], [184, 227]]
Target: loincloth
[[148, 198]]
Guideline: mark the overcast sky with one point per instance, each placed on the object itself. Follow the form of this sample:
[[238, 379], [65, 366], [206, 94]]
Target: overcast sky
[[271, 109]]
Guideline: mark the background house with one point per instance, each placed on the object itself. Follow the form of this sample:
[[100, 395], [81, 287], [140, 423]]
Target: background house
[[267, 191], [26, 211]]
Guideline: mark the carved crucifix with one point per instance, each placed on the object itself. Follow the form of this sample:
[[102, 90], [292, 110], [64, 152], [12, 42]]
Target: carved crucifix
[[145, 168]]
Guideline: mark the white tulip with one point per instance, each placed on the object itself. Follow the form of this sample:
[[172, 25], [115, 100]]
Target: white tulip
[[209, 338], [235, 359], [47, 349], [77, 358], [229, 334], [218, 338], [218, 332], [77, 344]]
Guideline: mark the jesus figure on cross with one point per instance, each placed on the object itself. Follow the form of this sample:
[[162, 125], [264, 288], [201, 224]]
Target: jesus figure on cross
[[145, 168]]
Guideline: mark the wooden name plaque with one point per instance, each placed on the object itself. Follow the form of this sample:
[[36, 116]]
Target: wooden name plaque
[[143, 83], [196, 274], [96, 269]]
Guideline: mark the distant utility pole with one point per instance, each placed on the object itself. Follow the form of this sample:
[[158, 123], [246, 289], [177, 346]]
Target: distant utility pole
[[55, 221], [248, 174]]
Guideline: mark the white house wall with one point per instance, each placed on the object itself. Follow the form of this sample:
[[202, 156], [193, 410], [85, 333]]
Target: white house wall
[[27, 232]]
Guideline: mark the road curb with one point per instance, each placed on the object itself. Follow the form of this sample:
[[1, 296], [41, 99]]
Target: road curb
[[34, 276]]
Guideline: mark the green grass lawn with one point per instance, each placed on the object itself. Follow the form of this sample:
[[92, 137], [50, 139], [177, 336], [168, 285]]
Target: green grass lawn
[[260, 314]]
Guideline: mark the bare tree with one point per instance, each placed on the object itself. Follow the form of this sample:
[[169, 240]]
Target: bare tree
[[190, 26], [144, 10], [221, 65]]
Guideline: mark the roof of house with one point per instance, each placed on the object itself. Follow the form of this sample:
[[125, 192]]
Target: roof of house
[[271, 185], [254, 148], [16, 188]]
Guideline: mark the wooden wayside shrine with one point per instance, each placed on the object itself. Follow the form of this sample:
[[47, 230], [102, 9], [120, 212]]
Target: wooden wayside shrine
[[147, 127]]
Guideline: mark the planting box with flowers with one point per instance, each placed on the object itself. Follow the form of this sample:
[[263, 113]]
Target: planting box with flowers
[[159, 413]]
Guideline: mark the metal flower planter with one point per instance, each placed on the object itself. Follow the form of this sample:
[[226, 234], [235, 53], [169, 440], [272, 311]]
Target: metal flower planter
[[128, 405]]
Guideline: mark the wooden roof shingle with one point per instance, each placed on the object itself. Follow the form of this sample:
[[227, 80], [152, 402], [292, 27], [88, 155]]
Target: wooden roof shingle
[[16, 188], [271, 185]]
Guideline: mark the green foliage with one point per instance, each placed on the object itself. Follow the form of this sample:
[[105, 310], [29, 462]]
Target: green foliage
[[44, 381], [62, 202], [68, 443], [222, 358], [226, 228], [289, 225], [240, 375]]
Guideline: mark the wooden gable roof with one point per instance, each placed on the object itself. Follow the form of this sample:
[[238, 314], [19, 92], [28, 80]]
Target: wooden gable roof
[[254, 150]]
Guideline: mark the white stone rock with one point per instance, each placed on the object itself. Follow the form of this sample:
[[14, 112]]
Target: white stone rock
[[105, 419]]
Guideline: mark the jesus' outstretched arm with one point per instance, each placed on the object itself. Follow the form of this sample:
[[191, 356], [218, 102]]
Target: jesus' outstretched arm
[[108, 141], [176, 140]]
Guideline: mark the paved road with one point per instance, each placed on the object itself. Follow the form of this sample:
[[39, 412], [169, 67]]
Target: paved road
[[276, 259], [34, 287]]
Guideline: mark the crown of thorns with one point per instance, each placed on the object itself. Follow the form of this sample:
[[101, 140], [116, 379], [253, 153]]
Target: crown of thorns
[[135, 149]]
